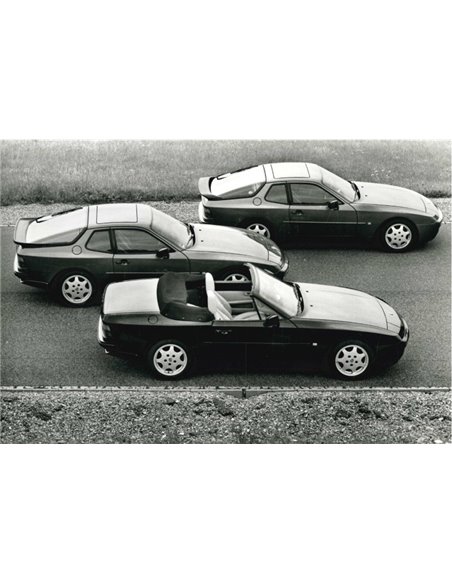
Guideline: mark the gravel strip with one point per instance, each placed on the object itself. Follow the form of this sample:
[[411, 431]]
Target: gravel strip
[[183, 210], [123, 416]]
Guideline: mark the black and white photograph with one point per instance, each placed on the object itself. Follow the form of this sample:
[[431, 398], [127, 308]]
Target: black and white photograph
[[210, 305], [225, 297]]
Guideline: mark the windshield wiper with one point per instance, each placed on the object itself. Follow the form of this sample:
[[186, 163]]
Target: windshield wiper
[[356, 189], [299, 296]]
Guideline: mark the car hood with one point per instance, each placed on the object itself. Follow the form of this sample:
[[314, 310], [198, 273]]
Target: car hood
[[347, 305], [230, 240], [131, 297], [388, 195]]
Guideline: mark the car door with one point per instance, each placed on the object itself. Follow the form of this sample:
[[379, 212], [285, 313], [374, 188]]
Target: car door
[[272, 207], [253, 340], [315, 212], [139, 254], [97, 256]]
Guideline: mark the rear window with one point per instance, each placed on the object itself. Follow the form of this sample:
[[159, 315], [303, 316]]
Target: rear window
[[239, 184], [60, 228]]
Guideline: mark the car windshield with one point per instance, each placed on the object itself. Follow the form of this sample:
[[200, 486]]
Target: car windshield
[[171, 229], [241, 183], [60, 228], [282, 297], [338, 185]]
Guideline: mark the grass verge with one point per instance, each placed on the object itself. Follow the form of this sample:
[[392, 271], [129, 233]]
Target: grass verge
[[34, 171]]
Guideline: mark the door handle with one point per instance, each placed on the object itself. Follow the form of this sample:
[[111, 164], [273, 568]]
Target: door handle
[[297, 212], [223, 331], [122, 262]]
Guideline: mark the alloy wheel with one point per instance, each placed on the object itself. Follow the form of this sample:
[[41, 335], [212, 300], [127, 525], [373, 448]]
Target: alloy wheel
[[170, 360], [260, 229], [76, 289], [398, 236], [236, 278], [352, 360]]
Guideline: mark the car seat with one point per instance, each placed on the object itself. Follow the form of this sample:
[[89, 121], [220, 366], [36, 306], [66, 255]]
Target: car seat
[[220, 308]]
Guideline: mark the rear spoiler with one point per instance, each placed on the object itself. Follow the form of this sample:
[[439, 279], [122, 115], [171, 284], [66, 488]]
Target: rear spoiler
[[20, 232], [204, 187]]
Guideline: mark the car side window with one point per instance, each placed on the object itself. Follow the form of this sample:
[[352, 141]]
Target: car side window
[[277, 194], [100, 241], [308, 194], [136, 241]]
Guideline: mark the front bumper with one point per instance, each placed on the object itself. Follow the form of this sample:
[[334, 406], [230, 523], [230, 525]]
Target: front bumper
[[389, 355], [429, 231]]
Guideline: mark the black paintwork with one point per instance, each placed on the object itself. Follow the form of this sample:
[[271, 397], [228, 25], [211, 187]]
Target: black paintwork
[[279, 340], [332, 216]]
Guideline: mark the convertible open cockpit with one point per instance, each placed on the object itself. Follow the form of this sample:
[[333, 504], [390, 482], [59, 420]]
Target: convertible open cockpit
[[200, 298], [174, 320]]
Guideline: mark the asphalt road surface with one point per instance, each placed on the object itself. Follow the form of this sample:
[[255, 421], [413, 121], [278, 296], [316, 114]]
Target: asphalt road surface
[[44, 344]]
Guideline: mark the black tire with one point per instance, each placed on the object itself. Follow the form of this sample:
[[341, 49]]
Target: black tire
[[397, 236], [79, 285], [350, 360], [257, 226], [171, 359], [238, 274]]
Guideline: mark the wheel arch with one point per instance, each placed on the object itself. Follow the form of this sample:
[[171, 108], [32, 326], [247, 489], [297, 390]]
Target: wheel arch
[[268, 223], [65, 271], [380, 228]]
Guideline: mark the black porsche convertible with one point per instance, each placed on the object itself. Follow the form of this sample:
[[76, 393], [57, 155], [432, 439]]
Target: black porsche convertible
[[173, 320]]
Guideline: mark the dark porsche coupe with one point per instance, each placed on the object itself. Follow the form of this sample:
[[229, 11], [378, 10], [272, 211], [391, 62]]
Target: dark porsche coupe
[[172, 321], [297, 200], [76, 252]]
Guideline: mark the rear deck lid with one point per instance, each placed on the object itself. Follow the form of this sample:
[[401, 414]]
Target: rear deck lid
[[131, 297]]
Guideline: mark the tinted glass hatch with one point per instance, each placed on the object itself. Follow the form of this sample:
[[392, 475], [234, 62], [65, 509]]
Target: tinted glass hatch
[[59, 228]]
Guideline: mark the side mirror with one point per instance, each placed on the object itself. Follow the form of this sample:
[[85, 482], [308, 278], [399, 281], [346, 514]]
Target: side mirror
[[163, 253], [272, 321], [333, 205]]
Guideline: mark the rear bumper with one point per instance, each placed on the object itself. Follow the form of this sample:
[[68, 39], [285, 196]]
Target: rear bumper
[[218, 216], [201, 213], [115, 352], [30, 279], [105, 341]]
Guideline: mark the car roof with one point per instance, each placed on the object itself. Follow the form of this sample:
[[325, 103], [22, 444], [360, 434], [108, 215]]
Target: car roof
[[119, 214], [277, 171]]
